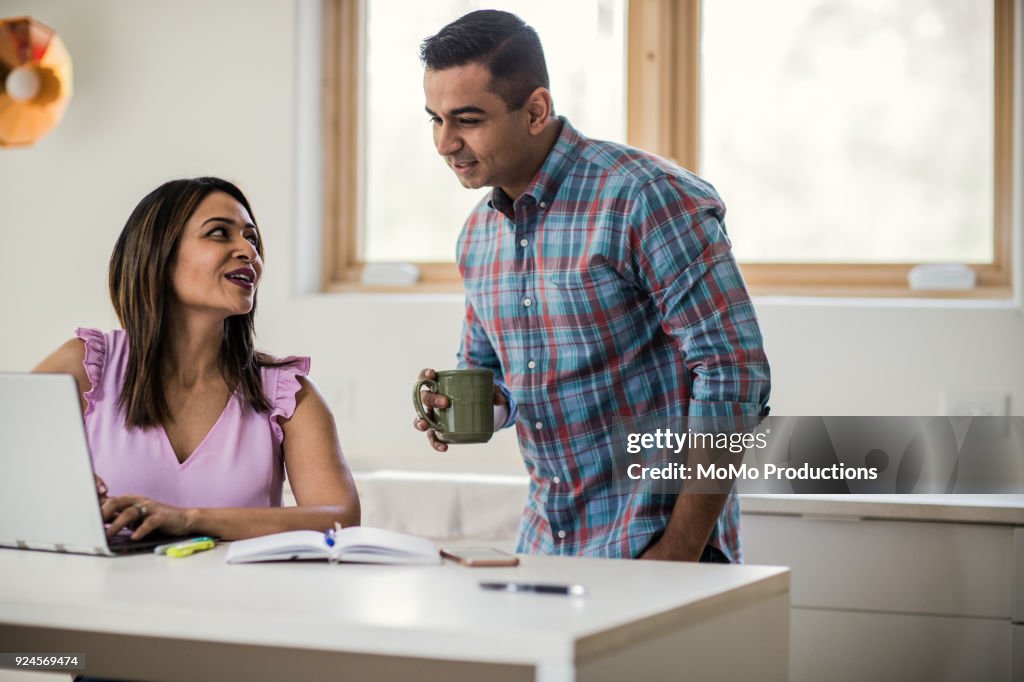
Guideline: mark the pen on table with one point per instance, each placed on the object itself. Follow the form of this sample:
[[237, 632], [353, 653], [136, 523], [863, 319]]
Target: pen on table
[[539, 588], [162, 549]]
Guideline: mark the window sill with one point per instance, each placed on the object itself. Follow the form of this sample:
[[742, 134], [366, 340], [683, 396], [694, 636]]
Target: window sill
[[994, 293], [418, 288], [796, 291]]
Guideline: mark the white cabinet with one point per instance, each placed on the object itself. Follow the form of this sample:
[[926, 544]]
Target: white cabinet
[[896, 591], [853, 646]]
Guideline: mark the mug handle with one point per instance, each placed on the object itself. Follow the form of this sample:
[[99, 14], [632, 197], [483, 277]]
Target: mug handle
[[432, 385]]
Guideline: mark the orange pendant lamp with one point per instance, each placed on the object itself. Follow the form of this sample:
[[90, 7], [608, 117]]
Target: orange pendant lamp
[[35, 81]]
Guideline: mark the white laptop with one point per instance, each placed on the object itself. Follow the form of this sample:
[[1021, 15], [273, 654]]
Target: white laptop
[[47, 490]]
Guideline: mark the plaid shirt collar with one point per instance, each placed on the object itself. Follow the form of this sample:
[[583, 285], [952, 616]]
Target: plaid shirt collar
[[552, 172]]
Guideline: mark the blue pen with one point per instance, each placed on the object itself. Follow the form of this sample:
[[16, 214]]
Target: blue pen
[[329, 534]]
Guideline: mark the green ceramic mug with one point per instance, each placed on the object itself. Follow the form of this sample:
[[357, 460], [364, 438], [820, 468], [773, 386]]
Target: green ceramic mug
[[469, 417]]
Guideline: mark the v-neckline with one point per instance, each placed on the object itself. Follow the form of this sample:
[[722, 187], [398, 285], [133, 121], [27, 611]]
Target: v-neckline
[[188, 458]]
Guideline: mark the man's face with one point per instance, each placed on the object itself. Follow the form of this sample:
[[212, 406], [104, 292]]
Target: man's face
[[484, 143]]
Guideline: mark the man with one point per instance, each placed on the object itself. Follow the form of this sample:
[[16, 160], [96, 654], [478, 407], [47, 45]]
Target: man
[[600, 288]]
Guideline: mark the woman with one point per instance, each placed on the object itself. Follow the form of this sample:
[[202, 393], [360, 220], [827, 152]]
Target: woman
[[191, 430]]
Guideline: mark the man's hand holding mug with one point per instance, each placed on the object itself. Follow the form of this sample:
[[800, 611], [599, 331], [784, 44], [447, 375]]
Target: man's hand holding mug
[[457, 406]]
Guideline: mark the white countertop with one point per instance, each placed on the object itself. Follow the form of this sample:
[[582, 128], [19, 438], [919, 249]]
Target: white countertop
[[989, 509], [423, 611]]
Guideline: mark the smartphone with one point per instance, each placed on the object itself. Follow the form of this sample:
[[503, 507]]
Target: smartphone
[[480, 556]]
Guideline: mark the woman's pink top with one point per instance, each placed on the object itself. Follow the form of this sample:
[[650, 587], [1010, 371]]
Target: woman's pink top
[[238, 464]]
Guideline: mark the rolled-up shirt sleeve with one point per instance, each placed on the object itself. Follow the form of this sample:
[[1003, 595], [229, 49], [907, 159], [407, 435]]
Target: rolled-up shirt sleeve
[[683, 258]]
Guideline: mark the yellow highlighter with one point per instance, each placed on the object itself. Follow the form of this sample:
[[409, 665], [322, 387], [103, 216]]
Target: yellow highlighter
[[189, 548]]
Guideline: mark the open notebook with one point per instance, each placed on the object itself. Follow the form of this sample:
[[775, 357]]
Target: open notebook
[[358, 544]]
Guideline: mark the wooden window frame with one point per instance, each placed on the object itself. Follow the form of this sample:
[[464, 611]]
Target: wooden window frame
[[663, 116]]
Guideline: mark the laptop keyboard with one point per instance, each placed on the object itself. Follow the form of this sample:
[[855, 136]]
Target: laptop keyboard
[[122, 542]]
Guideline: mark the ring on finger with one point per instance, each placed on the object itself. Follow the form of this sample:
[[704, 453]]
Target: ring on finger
[[141, 509]]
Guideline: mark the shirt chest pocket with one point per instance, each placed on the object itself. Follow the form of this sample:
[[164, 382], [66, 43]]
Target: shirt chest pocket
[[588, 306], [574, 280]]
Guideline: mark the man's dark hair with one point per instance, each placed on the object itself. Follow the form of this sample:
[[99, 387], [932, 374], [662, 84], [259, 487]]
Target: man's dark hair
[[501, 42]]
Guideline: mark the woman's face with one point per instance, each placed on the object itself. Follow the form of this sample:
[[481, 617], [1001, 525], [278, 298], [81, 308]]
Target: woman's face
[[217, 267]]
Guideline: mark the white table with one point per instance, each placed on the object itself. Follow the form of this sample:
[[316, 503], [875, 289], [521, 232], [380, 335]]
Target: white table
[[155, 618]]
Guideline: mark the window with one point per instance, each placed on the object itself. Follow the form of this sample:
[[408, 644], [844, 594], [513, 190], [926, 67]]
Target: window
[[379, 131], [859, 134], [850, 139]]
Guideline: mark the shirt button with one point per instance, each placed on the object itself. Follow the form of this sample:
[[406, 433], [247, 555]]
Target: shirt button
[[524, 242], [543, 204], [531, 364], [538, 426], [527, 302], [561, 534], [556, 480]]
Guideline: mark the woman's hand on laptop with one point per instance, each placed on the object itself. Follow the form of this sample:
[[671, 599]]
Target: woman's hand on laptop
[[144, 515]]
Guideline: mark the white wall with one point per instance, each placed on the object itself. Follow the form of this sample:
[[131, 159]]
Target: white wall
[[173, 89]]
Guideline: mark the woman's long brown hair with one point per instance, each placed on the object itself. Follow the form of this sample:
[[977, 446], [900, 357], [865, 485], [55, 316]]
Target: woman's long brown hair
[[140, 289]]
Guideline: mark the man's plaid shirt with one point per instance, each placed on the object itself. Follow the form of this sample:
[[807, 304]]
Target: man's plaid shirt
[[607, 291]]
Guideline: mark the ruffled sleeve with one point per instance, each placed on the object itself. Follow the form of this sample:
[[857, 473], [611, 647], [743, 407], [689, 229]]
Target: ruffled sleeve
[[95, 360], [285, 385]]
